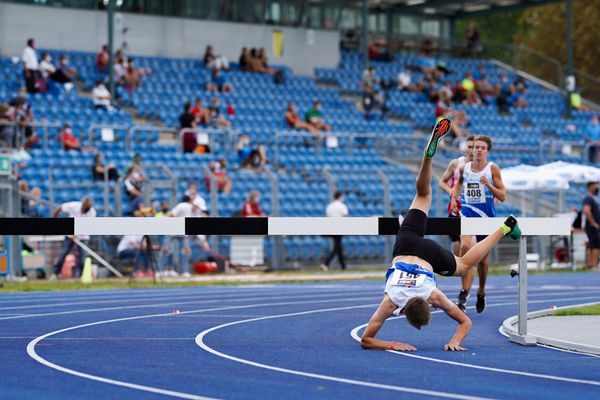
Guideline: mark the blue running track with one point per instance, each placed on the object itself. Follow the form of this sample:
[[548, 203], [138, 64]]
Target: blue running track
[[282, 341]]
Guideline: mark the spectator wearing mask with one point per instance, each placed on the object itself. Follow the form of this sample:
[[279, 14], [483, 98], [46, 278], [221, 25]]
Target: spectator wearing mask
[[83, 208], [215, 116]]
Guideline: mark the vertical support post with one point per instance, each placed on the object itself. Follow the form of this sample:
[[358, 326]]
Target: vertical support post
[[523, 286], [111, 50], [570, 84], [365, 32], [521, 336]]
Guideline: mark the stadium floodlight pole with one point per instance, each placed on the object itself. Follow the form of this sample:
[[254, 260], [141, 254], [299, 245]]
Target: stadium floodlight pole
[[365, 32], [111, 39], [570, 81]]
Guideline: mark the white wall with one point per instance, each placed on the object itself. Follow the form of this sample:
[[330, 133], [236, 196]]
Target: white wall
[[69, 29]]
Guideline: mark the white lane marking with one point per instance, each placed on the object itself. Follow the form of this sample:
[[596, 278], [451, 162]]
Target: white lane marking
[[165, 305], [354, 334], [166, 296], [31, 351], [200, 342], [22, 316]]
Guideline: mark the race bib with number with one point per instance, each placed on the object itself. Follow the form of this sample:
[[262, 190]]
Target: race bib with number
[[475, 193], [407, 279]]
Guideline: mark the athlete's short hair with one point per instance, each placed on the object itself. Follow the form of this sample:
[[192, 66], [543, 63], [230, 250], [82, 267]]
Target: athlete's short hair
[[470, 138], [417, 312], [485, 139]]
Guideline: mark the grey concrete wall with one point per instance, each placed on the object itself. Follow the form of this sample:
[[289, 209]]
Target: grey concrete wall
[[82, 30]]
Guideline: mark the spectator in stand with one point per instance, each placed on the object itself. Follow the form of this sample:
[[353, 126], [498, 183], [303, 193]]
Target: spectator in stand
[[264, 62], [255, 64], [472, 37], [102, 60], [133, 77], [219, 171], [577, 103], [215, 116], [6, 132], [21, 113], [136, 247], [249, 157], [69, 142], [134, 188], [469, 89], [369, 78], [427, 46], [120, 66], [65, 73], [187, 121], [180, 246], [99, 169], [101, 97], [485, 91], [30, 201], [405, 82], [293, 121], [83, 208], [314, 117], [244, 60], [377, 51], [219, 82], [251, 207], [199, 113], [46, 66], [214, 62], [592, 137], [191, 194], [31, 71]]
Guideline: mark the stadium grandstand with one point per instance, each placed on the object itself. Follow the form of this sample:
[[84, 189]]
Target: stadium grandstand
[[142, 105]]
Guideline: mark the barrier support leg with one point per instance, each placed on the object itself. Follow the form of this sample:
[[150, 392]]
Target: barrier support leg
[[522, 337]]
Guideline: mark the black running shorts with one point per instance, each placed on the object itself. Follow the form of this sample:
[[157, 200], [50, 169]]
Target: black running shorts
[[410, 241]]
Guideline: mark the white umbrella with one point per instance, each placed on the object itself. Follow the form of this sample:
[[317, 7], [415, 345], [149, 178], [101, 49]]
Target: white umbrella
[[573, 172], [528, 177]]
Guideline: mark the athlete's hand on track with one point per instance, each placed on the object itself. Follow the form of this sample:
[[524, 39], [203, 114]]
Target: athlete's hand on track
[[454, 347], [401, 346]]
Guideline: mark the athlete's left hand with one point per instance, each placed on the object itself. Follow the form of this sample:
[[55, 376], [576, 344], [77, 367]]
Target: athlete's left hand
[[454, 347], [483, 180]]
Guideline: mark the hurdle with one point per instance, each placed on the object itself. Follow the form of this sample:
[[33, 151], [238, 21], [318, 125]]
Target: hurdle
[[282, 226]]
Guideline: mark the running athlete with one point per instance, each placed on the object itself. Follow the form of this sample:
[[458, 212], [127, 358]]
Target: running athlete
[[410, 282], [480, 184], [448, 181]]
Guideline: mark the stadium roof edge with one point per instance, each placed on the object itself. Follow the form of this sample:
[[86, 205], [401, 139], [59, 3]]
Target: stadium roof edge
[[453, 8]]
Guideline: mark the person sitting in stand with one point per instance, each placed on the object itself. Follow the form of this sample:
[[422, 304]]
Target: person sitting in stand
[[293, 121], [314, 117]]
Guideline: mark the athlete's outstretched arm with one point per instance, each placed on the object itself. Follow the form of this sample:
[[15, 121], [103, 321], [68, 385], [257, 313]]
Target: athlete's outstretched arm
[[368, 340], [439, 299], [448, 173]]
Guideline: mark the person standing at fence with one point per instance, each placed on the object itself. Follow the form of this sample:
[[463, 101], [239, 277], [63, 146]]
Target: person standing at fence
[[336, 208], [411, 287], [448, 181], [83, 208], [480, 185], [591, 210]]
